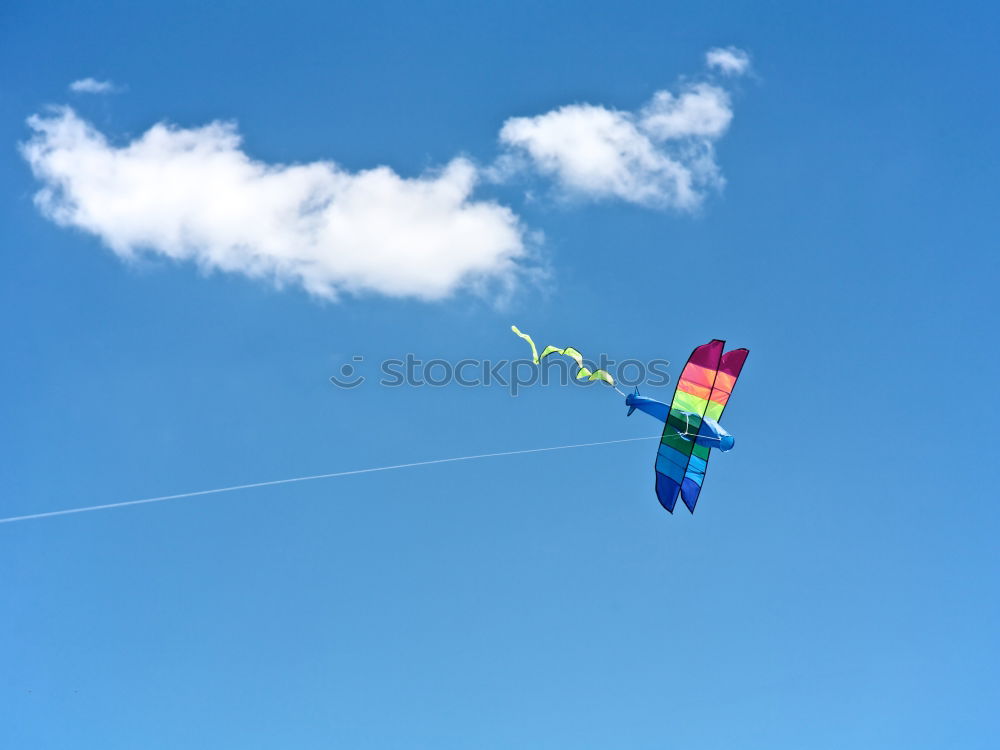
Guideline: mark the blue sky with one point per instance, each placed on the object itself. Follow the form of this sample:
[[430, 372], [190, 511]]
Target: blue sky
[[837, 585]]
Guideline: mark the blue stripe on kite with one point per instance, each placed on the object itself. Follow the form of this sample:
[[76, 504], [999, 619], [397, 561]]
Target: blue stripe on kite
[[666, 491], [666, 466], [696, 469], [673, 455], [689, 493]]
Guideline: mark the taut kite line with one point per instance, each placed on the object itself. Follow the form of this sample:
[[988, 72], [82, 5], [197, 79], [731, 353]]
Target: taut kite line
[[272, 483]]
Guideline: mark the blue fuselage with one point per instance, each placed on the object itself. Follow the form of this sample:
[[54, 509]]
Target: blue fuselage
[[710, 433]]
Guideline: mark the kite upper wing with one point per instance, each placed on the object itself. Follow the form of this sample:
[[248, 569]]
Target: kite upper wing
[[691, 397], [725, 381]]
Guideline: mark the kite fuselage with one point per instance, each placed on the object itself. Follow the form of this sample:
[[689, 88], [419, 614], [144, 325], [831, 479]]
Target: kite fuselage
[[709, 433]]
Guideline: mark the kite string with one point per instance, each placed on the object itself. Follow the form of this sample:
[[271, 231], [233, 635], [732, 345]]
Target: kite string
[[273, 482]]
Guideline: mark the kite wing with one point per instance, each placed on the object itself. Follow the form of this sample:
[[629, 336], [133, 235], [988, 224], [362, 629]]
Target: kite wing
[[725, 381], [690, 402]]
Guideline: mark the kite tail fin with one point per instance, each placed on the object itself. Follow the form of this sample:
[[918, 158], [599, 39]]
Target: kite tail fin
[[631, 406]]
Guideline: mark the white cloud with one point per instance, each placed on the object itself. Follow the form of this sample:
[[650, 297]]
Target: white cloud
[[93, 86], [728, 60], [194, 194], [662, 156], [702, 111]]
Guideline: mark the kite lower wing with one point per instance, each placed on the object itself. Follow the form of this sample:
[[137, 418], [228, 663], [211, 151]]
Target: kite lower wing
[[694, 476], [676, 453]]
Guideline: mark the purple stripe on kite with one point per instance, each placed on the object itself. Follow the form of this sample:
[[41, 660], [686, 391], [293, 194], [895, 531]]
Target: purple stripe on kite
[[707, 355], [732, 362]]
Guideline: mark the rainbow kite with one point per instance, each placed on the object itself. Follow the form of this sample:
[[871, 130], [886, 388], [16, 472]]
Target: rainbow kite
[[691, 428], [690, 423]]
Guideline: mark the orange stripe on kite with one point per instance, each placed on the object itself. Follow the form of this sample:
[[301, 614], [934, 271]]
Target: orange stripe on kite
[[697, 374], [720, 397], [701, 391], [725, 382]]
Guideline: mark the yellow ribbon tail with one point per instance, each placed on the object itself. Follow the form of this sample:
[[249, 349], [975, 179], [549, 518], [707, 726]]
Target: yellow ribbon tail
[[572, 353], [526, 337], [603, 375]]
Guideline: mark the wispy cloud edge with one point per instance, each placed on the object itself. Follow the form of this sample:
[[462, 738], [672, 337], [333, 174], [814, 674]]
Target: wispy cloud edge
[[94, 86], [731, 61]]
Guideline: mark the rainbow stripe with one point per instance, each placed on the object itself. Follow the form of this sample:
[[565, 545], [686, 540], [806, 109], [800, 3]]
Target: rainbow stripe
[[703, 389]]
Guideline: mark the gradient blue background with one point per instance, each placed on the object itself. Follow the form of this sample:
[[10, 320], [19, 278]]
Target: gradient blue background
[[837, 587]]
